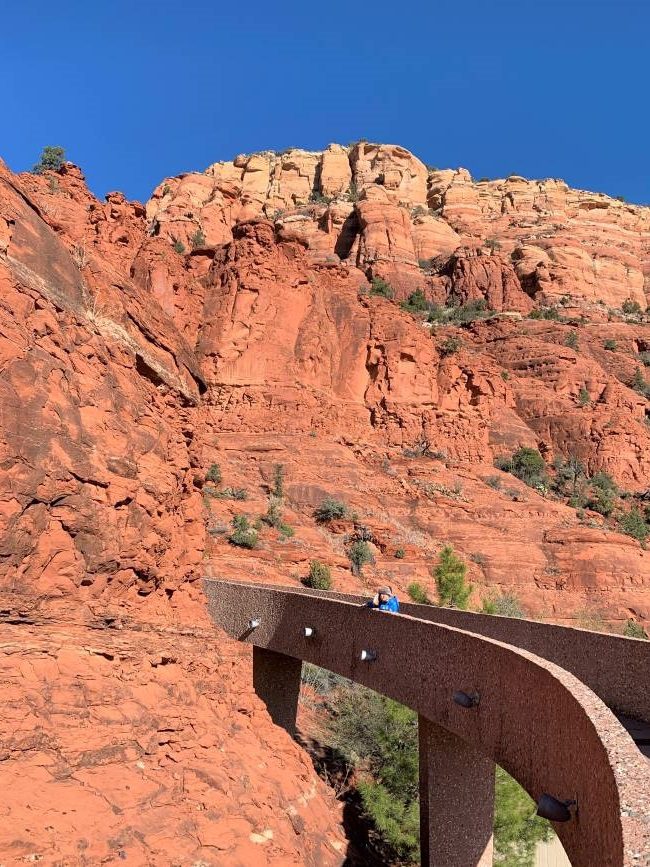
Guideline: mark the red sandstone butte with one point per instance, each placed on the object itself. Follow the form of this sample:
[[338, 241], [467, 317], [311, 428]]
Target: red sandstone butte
[[228, 321]]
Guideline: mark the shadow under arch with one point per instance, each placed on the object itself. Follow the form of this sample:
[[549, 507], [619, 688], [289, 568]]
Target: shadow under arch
[[539, 722]]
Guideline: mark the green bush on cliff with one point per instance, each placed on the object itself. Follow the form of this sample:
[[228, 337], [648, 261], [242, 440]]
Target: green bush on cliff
[[320, 576], [329, 510], [359, 554], [213, 474], [526, 464], [382, 288], [243, 535], [51, 160]]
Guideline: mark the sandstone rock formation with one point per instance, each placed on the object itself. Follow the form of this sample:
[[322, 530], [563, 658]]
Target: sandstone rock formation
[[228, 321]]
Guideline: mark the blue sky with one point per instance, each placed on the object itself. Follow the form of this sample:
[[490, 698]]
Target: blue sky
[[136, 91]]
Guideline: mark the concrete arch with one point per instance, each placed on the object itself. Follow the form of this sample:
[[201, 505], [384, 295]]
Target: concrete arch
[[535, 719]]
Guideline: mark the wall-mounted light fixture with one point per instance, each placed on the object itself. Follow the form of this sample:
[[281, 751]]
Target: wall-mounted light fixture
[[368, 655], [309, 631], [466, 699], [254, 623], [550, 808]]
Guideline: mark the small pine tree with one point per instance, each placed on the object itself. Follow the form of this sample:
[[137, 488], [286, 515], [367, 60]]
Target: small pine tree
[[359, 554], [583, 397], [450, 572], [418, 593], [51, 160], [278, 481]]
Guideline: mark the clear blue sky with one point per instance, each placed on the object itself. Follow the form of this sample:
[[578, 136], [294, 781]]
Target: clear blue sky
[[136, 91]]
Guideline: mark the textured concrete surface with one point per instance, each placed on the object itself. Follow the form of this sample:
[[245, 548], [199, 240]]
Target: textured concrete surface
[[545, 727], [617, 669], [276, 679], [456, 800]]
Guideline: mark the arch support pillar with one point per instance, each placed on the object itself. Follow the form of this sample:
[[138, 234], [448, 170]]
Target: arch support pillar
[[456, 800], [276, 680]]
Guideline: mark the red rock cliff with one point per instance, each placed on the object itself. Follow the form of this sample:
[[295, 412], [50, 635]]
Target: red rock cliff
[[228, 322]]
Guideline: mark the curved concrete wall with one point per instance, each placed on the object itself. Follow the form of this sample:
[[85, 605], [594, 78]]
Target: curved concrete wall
[[617, 669], [538, 721]]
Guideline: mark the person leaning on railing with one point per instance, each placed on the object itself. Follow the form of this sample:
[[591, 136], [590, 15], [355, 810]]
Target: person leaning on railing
[[384, 600]]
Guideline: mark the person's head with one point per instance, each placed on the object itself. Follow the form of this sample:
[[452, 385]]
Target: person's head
[[384, 593]]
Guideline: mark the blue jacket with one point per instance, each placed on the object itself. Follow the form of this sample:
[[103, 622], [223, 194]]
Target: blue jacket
[[391, 605]]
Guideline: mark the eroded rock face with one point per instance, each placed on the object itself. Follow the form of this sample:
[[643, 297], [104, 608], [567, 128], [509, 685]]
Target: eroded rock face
[[134, 354], [566, 243]]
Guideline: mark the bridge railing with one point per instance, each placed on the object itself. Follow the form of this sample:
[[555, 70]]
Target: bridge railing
[[535, 719]]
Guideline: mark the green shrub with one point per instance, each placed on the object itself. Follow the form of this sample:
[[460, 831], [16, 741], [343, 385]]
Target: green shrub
[[449, 346], [353, 192], [572, 340], [493, 482], [639, 383], [493, 244], [213, 474], [610, 344], [230, 494], [51, 160], [602, 494], [416, 302], [318, 198], [504, 604], [632, 308], [278, 481], [274, 518], [399, 553], [459, 313], [197, 239], [418, 593], [359, 553], [505, 375], [320, 576], [382, 288], [178, 246], [329, 510], [584, 397], [545, 313], [243, 535], [526, 464], [449, 573], [633, 524], [634, 630]]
